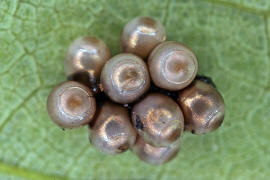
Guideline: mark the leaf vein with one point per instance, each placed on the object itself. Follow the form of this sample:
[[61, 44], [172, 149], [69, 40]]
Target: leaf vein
[[26, 173]]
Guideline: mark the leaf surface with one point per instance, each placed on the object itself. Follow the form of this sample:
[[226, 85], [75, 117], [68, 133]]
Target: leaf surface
[[230, 38]]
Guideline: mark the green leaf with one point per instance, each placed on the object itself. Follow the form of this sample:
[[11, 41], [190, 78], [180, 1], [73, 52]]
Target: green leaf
[[230, 38]]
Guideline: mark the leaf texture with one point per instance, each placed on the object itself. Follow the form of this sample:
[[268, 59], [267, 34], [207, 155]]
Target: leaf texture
[[230, 38]]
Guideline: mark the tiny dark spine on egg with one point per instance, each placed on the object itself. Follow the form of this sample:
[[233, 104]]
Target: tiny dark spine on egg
[[84, 78]]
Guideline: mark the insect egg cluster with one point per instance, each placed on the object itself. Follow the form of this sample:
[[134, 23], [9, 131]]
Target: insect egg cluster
[[141, 99]]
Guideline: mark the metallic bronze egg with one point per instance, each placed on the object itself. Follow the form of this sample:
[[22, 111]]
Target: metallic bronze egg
[[125, 78], [172, 66], [112, 131], [203, 107], [155, 155], [71, 105], [158, 119], [87, 54], [141, 35]]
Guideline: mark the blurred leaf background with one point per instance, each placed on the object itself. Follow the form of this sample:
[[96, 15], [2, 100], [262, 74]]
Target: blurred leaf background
[[230, 38]]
